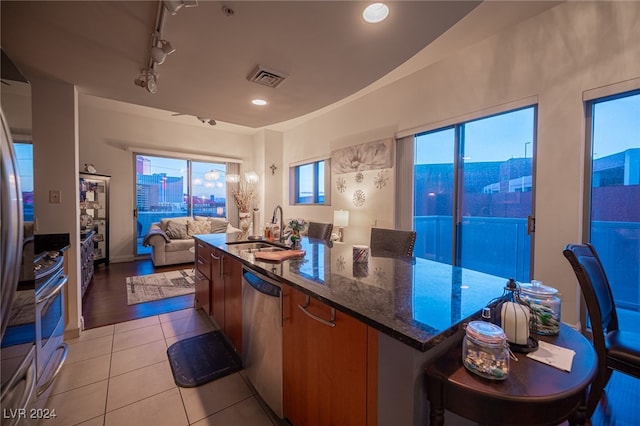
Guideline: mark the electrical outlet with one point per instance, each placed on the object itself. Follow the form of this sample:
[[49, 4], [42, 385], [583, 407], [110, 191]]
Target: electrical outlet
[[55, 197]]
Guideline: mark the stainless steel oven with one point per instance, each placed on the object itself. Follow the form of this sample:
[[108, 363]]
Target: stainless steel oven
[[51, 351], [33, 350]]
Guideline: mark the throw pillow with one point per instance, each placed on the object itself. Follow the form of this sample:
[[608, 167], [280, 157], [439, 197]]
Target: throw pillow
[[176, 230], [165, 221], [218, 226], [195, 227]]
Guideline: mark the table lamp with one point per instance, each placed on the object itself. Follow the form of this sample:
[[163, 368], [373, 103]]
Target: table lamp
[[340, 219]]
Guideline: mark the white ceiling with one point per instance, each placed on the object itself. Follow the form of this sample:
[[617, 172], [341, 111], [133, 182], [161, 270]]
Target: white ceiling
[[327, 50]]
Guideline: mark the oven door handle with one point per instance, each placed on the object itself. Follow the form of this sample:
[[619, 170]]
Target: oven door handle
[[54, 290], [42, 388], [26, 372]]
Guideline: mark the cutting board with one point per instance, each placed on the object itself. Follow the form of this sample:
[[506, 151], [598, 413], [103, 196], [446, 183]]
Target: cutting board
[[278, 255]]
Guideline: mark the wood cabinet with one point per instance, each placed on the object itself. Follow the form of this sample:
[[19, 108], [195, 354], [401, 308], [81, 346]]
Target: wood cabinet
[[329, 371], [219, 290], [232, 273], [203, 277], [217, 287]]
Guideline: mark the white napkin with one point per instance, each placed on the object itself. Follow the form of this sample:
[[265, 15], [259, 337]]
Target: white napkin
[[553, 355]]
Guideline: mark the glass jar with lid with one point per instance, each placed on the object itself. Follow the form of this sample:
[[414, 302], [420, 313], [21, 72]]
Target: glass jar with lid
[[485, 350], [545, 306]]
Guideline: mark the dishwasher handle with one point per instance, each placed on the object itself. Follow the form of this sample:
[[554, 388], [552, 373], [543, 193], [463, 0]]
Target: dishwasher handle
[[261, 285]]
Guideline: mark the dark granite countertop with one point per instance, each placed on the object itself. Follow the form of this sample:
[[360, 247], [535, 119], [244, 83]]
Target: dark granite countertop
[[416, 301]]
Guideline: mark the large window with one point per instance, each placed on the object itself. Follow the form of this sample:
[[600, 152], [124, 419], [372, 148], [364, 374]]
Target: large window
[[614, 214], [308, 183], [473, 186], [173, 187]]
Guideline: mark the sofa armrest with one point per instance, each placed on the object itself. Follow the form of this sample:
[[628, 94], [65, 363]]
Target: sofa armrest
[[155, 237]]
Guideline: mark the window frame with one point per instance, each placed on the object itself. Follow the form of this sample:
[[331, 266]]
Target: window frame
[[187, 189], [294, 182], [590, 100], [459, 127], [21, 139]]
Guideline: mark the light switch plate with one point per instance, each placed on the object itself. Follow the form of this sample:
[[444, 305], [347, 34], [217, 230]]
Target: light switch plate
[[55, 196]]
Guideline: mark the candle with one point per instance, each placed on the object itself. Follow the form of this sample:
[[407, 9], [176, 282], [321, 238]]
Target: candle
[[360, 254], [515, 322], [256, 222]]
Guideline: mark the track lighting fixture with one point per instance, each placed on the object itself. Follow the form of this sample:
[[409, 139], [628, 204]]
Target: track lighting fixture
[[166, 47], [210, 121], [158, 55], [149, 80], [173, 6], [160, 48]]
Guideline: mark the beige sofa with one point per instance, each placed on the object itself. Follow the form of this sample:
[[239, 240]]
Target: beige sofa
[[171, 239]]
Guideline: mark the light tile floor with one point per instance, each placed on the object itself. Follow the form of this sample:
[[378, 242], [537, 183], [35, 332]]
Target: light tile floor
[[120, 375]]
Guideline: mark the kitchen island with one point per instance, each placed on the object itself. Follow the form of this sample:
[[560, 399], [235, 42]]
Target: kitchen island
[[413, 310]]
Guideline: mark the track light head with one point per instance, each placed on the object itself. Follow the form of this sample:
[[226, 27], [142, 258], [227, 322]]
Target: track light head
[[173, 6], [158, 55], [148, 80], [209, 121], [167, 47]]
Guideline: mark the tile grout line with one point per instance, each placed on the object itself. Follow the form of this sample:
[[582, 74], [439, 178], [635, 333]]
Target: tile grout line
[[104, 416]]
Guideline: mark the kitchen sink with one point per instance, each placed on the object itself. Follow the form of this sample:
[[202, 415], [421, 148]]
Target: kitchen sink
[[250, 247]]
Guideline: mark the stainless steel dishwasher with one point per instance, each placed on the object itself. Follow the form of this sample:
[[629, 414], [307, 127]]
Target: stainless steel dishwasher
[[262, 337]]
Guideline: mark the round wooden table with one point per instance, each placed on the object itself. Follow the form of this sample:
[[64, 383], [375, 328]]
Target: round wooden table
[[533, 393]]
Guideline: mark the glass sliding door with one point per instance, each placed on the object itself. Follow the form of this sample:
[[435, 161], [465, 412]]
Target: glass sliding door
[[160, 192], [495, 196], [614, 214], [174, 187], [473, 186]]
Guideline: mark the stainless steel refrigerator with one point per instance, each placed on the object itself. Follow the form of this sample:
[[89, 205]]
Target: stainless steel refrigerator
[[18, 367]]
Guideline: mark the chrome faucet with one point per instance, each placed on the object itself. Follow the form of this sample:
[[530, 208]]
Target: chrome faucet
[[275, 220]]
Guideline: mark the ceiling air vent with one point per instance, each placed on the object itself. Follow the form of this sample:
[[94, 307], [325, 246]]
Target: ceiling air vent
[[266, 76]]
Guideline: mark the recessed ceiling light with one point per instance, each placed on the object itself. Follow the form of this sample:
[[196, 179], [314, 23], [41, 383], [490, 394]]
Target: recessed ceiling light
[[259, 102], [375, 12]]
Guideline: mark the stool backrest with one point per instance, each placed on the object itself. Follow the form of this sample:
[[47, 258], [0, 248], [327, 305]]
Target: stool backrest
[[320, 230], [392, 243]]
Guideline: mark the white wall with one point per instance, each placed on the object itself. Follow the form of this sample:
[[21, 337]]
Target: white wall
[[55, 154], [555, 56], [105, 135]]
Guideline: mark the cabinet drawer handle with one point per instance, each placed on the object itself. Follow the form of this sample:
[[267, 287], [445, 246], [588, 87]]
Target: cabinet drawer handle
[[331, 323]]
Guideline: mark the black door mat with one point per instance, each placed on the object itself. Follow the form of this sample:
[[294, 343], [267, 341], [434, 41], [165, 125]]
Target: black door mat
[[201, 359]]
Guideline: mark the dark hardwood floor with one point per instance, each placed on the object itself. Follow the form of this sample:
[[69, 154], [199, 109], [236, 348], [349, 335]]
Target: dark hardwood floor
[[105, 301]]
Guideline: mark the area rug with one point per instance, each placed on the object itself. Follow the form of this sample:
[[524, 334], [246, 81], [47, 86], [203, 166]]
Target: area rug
[[145, 288], [202, 359]]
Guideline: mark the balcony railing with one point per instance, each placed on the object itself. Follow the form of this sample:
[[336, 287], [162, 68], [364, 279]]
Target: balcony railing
[[500, 246]]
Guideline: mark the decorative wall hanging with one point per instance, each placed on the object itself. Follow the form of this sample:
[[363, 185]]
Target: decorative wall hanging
[[341, 184], [359, 198], [340, 263], [359, 177], [368, 156], [380, 276], [381, 179]]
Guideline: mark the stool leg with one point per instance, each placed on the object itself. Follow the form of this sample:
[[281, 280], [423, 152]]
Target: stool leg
[[436, 414]]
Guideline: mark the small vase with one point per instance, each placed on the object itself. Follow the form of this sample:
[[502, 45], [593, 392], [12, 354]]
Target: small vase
[[245, 221], [295, 240]]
